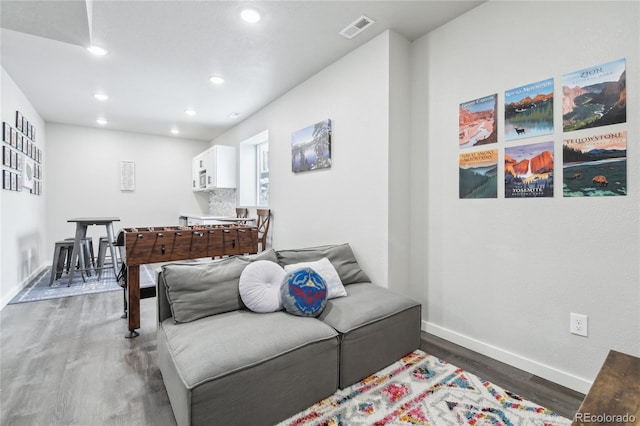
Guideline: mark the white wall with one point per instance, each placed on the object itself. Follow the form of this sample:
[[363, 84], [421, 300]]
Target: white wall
[[83, 179], [349, 201], [22, 215], [501, 276]]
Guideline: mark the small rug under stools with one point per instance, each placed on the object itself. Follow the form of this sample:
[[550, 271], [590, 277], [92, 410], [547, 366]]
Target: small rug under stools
[[421, 389], [39, 289]]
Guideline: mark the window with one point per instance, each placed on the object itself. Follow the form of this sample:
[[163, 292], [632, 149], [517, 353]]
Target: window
[[262, 172], [254, 171]]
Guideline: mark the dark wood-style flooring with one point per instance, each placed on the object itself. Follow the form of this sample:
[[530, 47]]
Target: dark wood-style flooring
[[66, 362]]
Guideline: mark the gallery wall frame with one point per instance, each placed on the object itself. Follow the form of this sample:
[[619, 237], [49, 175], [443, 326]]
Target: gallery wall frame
[[21, 157]]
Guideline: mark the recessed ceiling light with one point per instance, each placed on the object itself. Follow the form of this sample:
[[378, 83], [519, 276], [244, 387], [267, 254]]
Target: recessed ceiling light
[[97, 50], [234, 115], [216, 79], [100, 96], [175, 131], [250, 15], [190, 111], [101, 121]]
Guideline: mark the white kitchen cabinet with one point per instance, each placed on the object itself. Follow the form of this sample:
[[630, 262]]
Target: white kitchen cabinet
[[214, 168]]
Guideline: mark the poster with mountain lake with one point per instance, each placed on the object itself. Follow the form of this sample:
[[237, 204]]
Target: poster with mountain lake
[[594, 97], [479, 174], [311, 147], [595, 165], [528, 110], [478, 122], [528, 171]]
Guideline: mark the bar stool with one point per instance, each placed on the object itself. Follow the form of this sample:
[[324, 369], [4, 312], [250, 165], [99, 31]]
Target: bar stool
[[103, 246], [87, 248], [62, 257]]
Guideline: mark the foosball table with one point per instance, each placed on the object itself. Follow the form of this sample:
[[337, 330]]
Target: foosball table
[[171, 243]]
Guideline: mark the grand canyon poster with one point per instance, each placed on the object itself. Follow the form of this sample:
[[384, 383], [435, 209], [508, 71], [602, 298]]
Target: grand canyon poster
[[479, 174], [528, 110], [528, 171], [594, 97], [595, 165], [478, 122]]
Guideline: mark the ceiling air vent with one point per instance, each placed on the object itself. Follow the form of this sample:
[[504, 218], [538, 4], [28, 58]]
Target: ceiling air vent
[[356, 27]]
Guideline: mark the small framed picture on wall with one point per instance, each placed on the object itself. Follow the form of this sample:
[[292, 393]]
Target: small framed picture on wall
[[6, 179], [6, 156], [19, 120]]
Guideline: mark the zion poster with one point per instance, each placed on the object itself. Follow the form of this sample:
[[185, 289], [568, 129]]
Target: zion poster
[[594, 97], [595, 165], [528, 110], [528, 171], [479, 174], [478, 122]]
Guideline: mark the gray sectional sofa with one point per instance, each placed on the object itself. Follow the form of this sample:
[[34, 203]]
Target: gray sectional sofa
[[223, 364]]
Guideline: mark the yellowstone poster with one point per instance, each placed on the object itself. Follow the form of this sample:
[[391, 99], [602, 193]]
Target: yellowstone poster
[[478, 122], [528, 110], [528, 171], [595, 165], [479, 174], [594, 97]]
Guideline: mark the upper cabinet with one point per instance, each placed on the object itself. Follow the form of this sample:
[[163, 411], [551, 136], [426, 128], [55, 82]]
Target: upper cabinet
[[214, 168]]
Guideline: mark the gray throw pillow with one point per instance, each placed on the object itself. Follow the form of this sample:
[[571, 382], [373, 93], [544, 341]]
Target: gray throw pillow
[[269, 255], [341, 257], [198, 290]]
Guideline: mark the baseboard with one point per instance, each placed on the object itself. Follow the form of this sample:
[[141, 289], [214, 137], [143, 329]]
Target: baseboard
[[17, 289], [534, 367]]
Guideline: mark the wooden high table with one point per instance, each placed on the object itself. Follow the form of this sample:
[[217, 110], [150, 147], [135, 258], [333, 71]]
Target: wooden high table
[[82, 223], [171, 243]]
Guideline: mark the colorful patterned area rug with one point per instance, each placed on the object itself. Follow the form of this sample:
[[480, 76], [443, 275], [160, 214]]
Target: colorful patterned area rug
[[38, 288], [421, 389]]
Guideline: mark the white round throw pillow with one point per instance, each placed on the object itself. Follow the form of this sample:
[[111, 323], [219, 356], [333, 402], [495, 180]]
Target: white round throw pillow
[[260, 286]]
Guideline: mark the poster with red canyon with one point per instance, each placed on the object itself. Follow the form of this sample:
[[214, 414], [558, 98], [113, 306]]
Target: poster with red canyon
[[478, 122]]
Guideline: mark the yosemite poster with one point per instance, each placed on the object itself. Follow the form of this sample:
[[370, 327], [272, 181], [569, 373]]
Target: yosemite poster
[[478, 122], [528, 110], [479, 174], [528, 171], [595, 165], [594, 97]]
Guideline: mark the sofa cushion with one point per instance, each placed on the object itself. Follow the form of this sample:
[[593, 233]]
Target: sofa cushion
[[197, 290], [367, 303], [341, 256], [260, 286], [303, 292], [327, 271], [217, 346], [269, 254]]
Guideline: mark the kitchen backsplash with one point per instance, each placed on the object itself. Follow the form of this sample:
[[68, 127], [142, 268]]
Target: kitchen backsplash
[[222, 202]]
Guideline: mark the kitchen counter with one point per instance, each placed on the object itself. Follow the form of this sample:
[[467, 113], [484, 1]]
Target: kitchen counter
[[203, 219]]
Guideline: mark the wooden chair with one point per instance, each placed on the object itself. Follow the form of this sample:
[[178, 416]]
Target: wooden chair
[[264, 220], [241, 213]]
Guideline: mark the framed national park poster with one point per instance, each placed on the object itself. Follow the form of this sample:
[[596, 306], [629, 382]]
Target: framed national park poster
[[479, 174], [478, 122], [594, 97], [528, 110]]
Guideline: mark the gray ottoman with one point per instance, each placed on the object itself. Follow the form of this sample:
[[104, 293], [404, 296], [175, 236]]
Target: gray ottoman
[[377, 327], [243, 368]]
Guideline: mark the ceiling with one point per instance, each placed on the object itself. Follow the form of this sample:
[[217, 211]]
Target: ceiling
[[162, 53]]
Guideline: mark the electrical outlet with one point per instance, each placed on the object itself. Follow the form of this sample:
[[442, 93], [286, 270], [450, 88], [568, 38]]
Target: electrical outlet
[[578, 324]]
